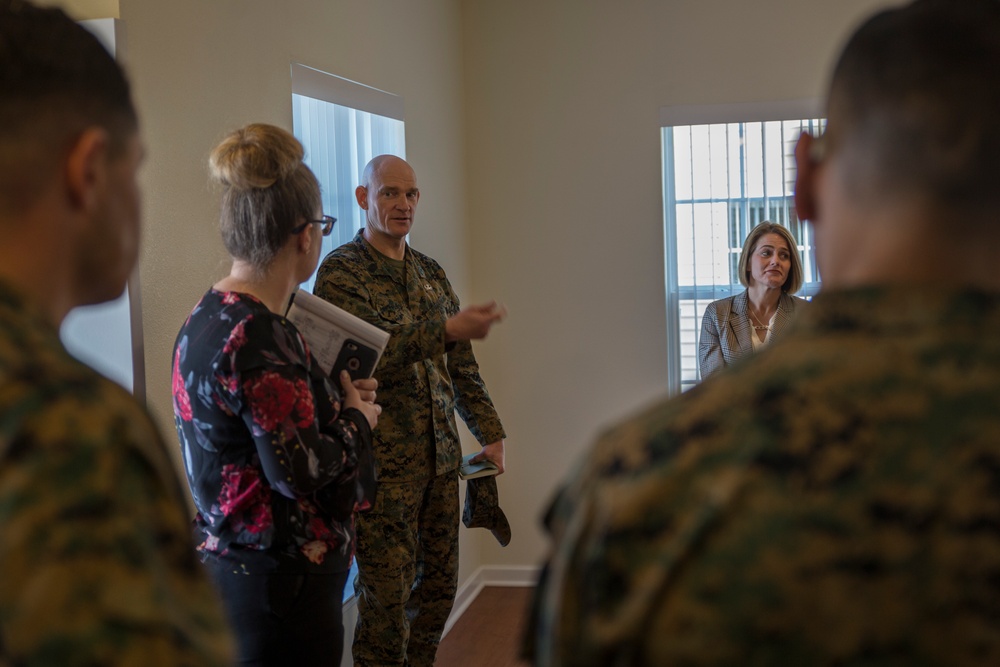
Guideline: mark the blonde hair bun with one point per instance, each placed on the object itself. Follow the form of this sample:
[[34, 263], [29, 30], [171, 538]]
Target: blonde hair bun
[[255, 157]]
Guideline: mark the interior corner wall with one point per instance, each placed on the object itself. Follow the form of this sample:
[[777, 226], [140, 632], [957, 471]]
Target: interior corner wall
[[565, 193]]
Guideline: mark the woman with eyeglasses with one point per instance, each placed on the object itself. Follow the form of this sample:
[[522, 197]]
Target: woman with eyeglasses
[[278, 456]]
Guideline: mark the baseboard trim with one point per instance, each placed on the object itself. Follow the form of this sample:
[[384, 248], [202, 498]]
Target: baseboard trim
[[489, 575]]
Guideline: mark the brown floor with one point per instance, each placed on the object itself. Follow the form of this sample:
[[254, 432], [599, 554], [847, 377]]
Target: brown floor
[[488, 634]]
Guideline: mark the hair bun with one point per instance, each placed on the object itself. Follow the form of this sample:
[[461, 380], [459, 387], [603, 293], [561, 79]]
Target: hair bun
[[255, 157]]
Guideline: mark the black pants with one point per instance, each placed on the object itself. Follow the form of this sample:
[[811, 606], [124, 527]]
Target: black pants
[[283, 619]]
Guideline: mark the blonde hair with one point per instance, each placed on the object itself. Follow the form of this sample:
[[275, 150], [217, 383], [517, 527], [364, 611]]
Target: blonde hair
[[267, 189], [795, 276]]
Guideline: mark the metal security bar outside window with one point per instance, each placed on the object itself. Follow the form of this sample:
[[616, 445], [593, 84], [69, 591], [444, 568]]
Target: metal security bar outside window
[[720, 180]]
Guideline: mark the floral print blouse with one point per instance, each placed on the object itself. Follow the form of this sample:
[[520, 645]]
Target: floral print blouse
[[275, 466]]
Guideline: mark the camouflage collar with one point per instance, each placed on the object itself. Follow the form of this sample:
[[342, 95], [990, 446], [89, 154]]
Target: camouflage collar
[[903, 308], [13, 306], [378, 264]]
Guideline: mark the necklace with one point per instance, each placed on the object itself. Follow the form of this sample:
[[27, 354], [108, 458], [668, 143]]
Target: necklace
[[755, 323]]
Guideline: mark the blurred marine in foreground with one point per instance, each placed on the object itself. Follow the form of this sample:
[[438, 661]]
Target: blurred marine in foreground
[[97, 566]]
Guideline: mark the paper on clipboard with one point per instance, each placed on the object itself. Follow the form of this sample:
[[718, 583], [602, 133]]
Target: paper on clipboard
[[327, 327]]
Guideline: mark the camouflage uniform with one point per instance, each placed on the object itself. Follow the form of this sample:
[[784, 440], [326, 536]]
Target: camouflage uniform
[[408, 545], [834, 500], [97, 566]]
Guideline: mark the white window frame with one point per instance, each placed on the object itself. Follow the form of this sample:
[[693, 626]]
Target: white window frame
[[677, 116]]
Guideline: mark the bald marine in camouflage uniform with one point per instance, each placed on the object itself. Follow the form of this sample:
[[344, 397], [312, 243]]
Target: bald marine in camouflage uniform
[[97, 566], [836, 499], [407, 546]]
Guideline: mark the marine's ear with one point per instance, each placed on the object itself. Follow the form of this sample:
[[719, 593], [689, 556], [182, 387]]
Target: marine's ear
[[86, 168], [361, 194]]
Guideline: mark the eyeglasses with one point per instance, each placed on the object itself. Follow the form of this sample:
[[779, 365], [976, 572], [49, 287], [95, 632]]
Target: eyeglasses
[[327, 222]]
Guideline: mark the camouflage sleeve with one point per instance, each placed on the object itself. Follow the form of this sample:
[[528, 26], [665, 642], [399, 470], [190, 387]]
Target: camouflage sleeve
[[605, 567], [97, 566], [472, 400], [555, 625], [409, 342]]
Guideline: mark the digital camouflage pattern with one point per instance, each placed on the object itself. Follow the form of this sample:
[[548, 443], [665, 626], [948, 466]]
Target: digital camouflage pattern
[[834, 500], [97, 566], [390, 631], [420, 383], [412, 533]]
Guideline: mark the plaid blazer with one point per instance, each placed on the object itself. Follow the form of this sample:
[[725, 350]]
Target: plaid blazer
[[726, 330]]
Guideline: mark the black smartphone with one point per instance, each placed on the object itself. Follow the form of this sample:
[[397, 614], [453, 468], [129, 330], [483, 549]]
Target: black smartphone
[[357, 359]]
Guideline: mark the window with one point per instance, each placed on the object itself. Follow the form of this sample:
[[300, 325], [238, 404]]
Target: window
[[720, 180], [342, 125]]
